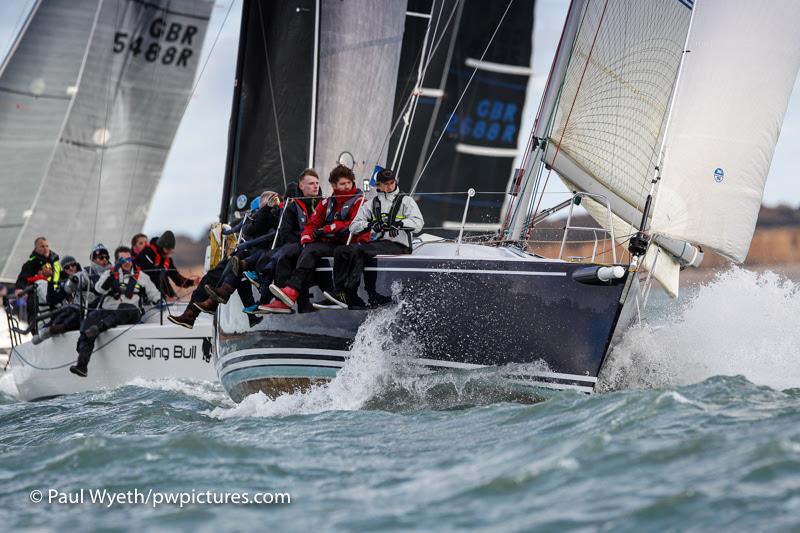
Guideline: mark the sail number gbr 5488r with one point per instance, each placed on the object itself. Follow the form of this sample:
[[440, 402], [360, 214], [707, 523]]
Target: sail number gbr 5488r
[[169, 43]]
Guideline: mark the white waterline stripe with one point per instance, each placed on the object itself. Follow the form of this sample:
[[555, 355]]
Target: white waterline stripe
[[546, 385], [501, 68], [486, 151], [280, 362], [454, 271], [417, 360]]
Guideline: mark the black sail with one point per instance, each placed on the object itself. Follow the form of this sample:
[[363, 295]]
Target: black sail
[[479, 144], [271, 118]]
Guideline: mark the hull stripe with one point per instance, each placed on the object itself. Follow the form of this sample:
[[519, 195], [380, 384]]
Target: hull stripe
[[327, 358], [455, 271]]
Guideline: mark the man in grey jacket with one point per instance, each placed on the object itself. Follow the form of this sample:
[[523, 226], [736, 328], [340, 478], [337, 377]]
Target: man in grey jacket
[[124, 292], [391, 217]]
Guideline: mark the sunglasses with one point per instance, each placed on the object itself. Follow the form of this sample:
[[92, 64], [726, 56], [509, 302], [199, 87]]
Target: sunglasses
[[125, 260], [101, 256]]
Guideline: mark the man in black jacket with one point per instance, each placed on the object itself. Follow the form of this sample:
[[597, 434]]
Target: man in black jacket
[[155, 260], [258, 230], [40, 255]]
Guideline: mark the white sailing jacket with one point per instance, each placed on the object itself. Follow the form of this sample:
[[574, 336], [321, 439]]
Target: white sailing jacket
[[409, 215], [145, 290]]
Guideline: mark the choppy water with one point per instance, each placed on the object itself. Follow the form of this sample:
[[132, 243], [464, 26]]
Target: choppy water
[[698, 428]]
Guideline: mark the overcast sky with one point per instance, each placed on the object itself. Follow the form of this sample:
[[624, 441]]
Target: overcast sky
[[189, 194]]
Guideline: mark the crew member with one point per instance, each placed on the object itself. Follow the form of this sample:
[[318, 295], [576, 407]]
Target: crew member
[[155, 260], [391, 217], [259, 227], [126, 294], [326, 230], [40, 255]]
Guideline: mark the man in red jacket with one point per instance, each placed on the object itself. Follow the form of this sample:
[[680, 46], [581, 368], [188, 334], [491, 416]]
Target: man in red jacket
[[326, 230]]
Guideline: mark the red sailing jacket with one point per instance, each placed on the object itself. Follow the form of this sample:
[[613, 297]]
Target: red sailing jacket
[[334, 215]]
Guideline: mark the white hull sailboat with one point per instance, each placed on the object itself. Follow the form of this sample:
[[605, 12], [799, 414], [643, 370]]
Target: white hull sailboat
[[147, 351]]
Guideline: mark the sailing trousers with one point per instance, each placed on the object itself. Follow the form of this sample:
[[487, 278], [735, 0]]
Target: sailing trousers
[[104, 319], [348, 262], [266, 268], [304, 269]]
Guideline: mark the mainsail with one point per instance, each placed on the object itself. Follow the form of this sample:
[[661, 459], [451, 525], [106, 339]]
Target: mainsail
[[92, 94], [314, 79], [638, 103]]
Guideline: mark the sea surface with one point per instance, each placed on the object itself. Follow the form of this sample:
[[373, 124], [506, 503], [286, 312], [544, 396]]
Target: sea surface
[[696, 427]]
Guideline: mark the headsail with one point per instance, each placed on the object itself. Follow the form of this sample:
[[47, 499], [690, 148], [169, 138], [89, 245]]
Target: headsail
[[614, 99], [734, 89], [123, 106]]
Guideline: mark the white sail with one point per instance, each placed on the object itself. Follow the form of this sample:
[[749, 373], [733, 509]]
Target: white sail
[[729, 106], [614, 98], [138, 65], [37, 83], [357, 78]]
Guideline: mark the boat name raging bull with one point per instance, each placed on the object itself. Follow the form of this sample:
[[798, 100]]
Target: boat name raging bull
[[162, 352]]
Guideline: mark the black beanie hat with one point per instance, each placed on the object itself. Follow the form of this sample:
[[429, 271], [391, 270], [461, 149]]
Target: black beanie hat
[[167, 240]]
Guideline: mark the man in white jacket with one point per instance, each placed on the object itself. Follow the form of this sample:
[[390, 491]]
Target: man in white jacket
[[124, 293], [391, 217]]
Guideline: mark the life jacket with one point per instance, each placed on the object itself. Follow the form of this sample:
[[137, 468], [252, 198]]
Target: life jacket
[[391, 216], [54, 262], [303, 210], [157, 259], [126, 288], [331, 214]]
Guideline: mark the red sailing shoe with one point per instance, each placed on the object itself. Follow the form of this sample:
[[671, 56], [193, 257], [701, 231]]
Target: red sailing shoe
[[275, 306], [286, 294]]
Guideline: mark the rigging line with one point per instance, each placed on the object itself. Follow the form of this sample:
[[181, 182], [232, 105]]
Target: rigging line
[[421, 72], [272, 93], [154, 82], [460, 98], [427, 64], [572, 106], [104, 134]]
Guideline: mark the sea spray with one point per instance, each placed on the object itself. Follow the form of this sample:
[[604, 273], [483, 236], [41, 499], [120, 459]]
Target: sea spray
[[373, 356], [740, 323]]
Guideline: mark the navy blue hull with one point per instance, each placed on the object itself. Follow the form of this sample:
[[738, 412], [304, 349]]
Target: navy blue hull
[[462, 313]]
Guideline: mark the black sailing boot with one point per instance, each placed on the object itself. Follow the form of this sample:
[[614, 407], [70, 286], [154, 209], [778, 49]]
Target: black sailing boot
[[81, 369], [220, 294], [185, 319], [206, 306]]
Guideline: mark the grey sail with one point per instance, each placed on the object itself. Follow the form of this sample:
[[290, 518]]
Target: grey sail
[[131, 88], [357, 79], [37, 83]]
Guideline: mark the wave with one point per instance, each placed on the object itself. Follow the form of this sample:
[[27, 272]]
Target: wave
[[740, 323]]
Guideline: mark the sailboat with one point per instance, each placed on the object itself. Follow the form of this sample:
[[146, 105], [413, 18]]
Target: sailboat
[[91, 96], [655, 114]]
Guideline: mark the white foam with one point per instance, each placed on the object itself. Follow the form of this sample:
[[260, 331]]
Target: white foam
[[203, 390], [741, 323], [374, 357], [8, 386]]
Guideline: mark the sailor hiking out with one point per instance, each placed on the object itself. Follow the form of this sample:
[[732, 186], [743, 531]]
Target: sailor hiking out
[[390, 218], [126, 292], [326, 230]]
